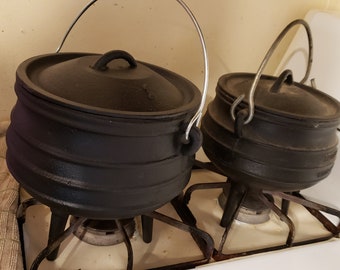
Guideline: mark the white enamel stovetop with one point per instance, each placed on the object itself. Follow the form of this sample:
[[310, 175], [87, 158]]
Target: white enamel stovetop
[[323, 255]]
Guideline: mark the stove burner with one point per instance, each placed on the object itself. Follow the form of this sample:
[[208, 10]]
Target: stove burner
[[252, 209], [103, 232], [100, 229], [240, 196]]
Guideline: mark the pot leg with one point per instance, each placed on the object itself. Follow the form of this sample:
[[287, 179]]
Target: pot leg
[[57, 227], [285, 206], [236, 195], [147, 227]]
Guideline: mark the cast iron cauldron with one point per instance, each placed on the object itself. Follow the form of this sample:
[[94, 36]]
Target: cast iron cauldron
[[283, 137], [101, 135], [289, 145]]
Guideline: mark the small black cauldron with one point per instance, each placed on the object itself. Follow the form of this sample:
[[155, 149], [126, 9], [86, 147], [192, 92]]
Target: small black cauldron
[[281, 137]]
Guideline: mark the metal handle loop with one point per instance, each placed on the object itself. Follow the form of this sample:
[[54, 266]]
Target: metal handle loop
[[74, 23], [197, 117], [265, 61]]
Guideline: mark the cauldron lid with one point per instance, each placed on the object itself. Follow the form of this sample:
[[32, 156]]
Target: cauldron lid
[[288, 99], [114, 81]]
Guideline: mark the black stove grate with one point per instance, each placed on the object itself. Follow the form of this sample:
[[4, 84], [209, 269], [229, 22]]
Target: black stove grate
[[58, 234], [238, 192]]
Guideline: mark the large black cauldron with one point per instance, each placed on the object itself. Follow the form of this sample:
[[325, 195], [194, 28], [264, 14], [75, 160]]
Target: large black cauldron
[[101, 136]]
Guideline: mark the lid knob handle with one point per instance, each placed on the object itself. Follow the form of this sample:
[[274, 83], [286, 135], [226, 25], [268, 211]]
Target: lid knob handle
[[285, 77], [101, 63]]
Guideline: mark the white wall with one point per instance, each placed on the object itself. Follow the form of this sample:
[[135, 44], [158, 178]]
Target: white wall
[[237, 32]]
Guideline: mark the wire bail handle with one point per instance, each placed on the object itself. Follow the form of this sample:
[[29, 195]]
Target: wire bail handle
[[264, 63], [195, 120]]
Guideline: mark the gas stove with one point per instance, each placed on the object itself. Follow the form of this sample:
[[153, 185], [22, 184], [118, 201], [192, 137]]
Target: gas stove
[[173, 246]]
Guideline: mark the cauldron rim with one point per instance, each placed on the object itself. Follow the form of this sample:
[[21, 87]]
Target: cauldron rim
[[228, 95], [24, 83]]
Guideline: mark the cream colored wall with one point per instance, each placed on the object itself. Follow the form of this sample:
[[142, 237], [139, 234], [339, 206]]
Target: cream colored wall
[[237, 32]]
